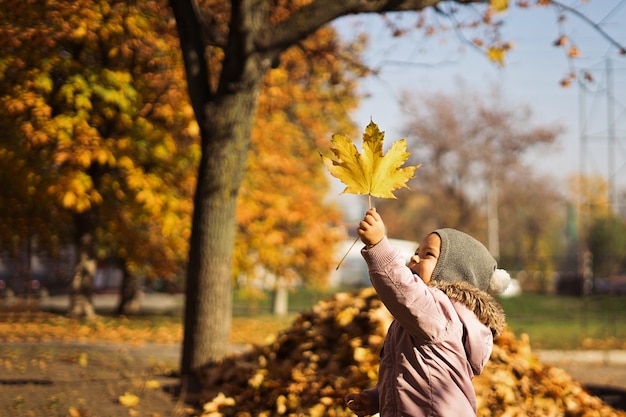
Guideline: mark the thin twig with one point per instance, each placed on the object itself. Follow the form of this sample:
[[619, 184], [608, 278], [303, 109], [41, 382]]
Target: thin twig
[[594, 25], [369, 202]]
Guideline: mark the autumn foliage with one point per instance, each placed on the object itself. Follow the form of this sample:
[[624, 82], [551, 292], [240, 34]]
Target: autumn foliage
[[93, 99], [100, 138]]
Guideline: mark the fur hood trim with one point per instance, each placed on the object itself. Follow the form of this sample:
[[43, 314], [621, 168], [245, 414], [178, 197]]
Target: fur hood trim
[[487, 308]]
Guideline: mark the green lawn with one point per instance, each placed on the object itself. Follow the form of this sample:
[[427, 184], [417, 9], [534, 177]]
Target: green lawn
[[551, 322], [559, 322]]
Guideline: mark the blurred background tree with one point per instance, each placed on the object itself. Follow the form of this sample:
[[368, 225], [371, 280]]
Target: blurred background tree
[[602, 230], [287, 228], [474, 177], [97, 91], [101, 146]]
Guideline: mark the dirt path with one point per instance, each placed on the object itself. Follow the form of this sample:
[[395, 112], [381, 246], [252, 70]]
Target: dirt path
[[85, 380]]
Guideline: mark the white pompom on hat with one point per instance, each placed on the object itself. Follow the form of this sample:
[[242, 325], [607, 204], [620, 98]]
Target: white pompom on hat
[[463, 258], [500, 280]]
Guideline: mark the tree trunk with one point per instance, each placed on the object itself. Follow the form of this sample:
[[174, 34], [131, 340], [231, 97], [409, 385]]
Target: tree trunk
[[225, 115], [208, 306], [81, 290], [82, 285], [280, 299], [129, 292]]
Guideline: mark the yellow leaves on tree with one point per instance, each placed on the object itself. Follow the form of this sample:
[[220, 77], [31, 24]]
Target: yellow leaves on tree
[[499, 5], [591, 193], [371, 172], [97, 107], [76, 192], [496, 54], [286, 229]]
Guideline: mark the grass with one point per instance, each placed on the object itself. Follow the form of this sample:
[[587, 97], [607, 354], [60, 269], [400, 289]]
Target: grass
[[560, 322], [551, 322]]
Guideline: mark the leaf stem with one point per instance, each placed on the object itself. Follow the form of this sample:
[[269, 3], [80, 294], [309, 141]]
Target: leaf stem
[[369, 202], [344, 256]]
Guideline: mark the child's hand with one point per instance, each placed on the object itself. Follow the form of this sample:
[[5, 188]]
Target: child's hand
[[361, 404], [371, 228]]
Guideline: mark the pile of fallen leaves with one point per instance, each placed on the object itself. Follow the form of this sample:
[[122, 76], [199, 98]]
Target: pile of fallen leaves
[[516, 383], [333, 349]]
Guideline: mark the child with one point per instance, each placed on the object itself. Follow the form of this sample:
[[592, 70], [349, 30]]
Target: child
[[444, 322]]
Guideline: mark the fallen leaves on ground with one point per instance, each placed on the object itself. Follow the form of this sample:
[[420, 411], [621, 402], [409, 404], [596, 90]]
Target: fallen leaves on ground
[[41, 327], [309, 367], [333, 349], [38, 327], [128, 399]]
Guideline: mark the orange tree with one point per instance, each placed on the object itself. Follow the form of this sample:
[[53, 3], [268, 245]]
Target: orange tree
[[283, 224], [228, 47], [483, 145], [116, 151], [98, 131]]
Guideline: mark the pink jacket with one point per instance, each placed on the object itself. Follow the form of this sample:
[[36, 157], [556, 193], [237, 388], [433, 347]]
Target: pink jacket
[[435, 345]]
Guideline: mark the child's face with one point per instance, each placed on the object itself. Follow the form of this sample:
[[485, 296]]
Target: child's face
[[425, 259]]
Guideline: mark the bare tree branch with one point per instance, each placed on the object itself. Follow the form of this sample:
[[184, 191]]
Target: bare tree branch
[[316, 14], [594, 25], [191, 42]]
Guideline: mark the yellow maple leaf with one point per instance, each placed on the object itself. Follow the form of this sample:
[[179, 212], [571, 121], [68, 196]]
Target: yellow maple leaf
[[371, 172]]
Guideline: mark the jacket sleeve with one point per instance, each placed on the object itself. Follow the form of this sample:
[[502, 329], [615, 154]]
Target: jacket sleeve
[[374, 398], [426, 313]]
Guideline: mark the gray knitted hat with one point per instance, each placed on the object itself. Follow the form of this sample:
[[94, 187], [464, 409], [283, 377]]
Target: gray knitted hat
[[463, 258]]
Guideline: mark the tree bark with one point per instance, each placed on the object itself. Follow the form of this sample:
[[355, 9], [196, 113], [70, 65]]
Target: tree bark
[[81, 290], [82, 285], [225, 118], [208, 292], [130, 292], [280, 299]]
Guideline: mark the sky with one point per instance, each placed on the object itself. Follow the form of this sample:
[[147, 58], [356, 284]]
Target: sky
[[530, 76]]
